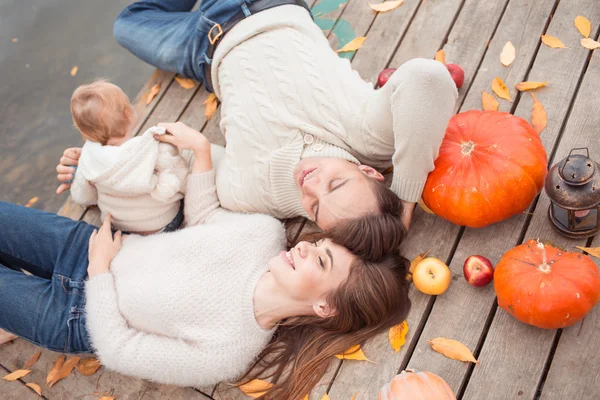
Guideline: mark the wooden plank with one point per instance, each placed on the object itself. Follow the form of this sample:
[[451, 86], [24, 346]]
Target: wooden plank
[[15, 390]]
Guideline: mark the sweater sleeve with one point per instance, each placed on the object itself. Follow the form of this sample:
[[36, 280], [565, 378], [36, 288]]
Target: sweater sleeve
[[201, 204], [83, 192], [416, 104], [141, 354], [171, 171]]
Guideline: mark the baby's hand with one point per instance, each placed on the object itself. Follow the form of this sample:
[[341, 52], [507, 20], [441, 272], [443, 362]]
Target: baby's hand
[[184, 137], [65, 171]]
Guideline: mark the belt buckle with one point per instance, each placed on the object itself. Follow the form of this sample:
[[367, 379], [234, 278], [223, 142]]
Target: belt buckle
[[214, 39]]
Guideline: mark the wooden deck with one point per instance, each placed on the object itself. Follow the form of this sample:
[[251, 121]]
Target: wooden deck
[[516, 361]]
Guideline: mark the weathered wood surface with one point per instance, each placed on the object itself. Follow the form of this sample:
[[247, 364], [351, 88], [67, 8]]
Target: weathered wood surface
[[15, 390]]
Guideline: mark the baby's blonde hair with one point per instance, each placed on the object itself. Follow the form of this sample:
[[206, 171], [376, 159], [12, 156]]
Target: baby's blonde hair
[[101, 110]]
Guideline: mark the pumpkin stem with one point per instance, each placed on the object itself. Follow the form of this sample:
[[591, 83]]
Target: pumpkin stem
[[467, 147], [544, 267]]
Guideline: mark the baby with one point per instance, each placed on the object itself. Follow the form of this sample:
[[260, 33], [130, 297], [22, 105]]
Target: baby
[[138, 180]]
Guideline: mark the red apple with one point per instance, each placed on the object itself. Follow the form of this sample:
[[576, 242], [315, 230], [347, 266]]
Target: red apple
[[457, 74], [478, 271], [384, 76]]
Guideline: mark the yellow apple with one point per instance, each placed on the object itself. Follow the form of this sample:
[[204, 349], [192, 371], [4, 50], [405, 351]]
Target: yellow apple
[[431, 276]]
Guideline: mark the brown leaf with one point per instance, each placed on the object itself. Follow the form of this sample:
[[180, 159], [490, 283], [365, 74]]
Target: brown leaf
[[508, 54], [488, 102], [440, 56], [583, 25], [107, 398], [32, 201], [58, 363], [185, 83], [211, 106], [65, 370], [397, 335], [353, 397], [500, 89], [553, 42], [387, 6], [153, 92], [255, 388], [422, 204], [590, 44], [538, 115], [592, 251], [354, 353], [74, 70], [452, 349], [35, 387], [355, 44], [32, 360], [530, 85], [18, 374], [88, 366]]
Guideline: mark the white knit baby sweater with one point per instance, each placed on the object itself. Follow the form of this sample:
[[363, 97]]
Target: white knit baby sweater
[[140, 183], [177, 307], [286, 95]]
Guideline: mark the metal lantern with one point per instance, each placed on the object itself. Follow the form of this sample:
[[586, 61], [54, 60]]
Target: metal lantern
[[573, 186]]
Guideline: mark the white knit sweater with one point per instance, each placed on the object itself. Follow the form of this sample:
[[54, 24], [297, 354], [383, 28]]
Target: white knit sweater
[[286, 95], [178, 307], [140, 183]]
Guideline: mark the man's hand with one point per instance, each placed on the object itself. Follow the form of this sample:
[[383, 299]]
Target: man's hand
[[407, 212], [65, 169], [103, 248]]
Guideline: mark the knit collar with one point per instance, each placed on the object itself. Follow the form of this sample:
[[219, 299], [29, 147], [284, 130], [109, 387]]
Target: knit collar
[[248, 302]]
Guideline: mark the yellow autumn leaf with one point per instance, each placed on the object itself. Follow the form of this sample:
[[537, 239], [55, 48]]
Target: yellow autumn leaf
[[539, 118], [440, 56], [397, 335], [387, 6], [211, 106], [32, 201], [153, 92], [32, 360], [353, 397], [185, 83], [65, 370], [36, 388], [583, 25], [325, 397], [488, 102], [354, 353], [592, 251], [305, 397], [58, 363], [499, 87], [553, 42], [256, 388], [355, 44], [452, 349], [414, 263], [508, 54], [18, 374], [590, 44], [530, 85], [107, 398], [74, 70], [88, 366], [422, 204]]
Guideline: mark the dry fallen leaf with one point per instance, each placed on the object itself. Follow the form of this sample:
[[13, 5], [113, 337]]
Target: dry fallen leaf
[[325, 397], [530, 85], [35, 387], [353, 397], [422, 204], [107, 398], [65, 370], [397, 335], [414, 263], [354, 353], [538, 115], [553, 42], [452, 349], [185, 83], [74, 70], [583, 25], [508, 54], [440, 56], [355, 44], [88, 366], [58, 363], [153, 92], [592, 251], [387, 6], [500, 89], [590, 44], [211, 106], [256, 387], [15, 40], [32, 360], [488, 102], [18, 374], [32, 201]]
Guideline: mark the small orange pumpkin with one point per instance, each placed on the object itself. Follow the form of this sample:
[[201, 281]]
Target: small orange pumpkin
[[416, 386], [546, 287]]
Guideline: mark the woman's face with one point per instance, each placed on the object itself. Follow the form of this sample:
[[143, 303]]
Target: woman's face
[[333, 189], [309, 272]]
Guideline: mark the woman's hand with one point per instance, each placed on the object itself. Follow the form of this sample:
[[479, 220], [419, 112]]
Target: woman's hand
[[103, 248], [65, 169], [184, 137]]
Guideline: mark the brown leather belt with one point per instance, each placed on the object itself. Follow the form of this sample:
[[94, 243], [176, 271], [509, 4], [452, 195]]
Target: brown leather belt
[[217, 32]]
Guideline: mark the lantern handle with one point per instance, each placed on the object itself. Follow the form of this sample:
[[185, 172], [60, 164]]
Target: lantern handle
[[571, 152]]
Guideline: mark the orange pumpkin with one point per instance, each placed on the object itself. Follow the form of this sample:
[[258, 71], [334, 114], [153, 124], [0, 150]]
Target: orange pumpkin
[[416, 386], [546, 287], [491, 165]]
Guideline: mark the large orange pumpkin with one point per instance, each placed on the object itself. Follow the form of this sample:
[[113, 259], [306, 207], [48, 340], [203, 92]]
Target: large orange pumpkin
[[546, 287], [491, 165], [416, 386]]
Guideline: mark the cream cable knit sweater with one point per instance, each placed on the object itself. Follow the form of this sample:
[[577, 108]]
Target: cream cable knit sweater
[[286, 95], [140, 182], [177, 307]]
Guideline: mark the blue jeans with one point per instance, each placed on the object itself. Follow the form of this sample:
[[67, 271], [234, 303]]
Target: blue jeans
[[48, 307], [168, 35]]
